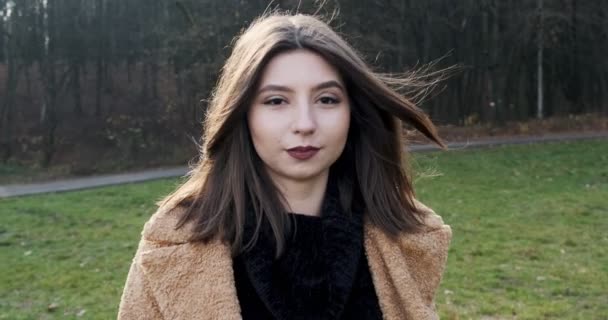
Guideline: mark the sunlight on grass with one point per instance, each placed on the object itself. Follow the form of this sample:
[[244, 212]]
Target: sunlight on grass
[[529, 237]]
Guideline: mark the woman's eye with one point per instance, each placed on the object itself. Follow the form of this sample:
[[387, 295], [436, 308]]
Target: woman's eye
[[329, 100], [274, 101]]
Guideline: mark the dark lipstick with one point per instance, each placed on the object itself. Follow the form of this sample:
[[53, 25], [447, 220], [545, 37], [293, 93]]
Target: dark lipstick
[[303, 153]]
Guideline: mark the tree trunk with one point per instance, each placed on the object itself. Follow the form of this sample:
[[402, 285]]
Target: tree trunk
[[28, 80], [51, 85], [98, 85], [497, 74], [488, 103], [99, 58], [6, 113], [76, 91], [155, 70], [575, 85], [145, 83], [539, 61]]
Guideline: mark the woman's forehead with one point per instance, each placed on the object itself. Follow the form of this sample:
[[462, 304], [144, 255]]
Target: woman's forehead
[[299, 69]]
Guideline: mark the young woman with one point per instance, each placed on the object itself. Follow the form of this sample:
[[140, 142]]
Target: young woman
[[301, 206]]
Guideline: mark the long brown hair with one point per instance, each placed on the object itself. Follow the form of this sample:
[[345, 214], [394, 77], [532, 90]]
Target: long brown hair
[[229, 180]]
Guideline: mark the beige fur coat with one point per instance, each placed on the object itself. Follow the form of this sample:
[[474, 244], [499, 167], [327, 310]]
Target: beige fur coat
[[171, 278]]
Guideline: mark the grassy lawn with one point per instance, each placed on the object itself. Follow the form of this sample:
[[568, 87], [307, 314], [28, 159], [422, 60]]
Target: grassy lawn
[[529, 224]]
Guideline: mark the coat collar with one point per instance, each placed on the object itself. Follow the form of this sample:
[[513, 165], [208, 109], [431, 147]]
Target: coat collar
[[194, 280]]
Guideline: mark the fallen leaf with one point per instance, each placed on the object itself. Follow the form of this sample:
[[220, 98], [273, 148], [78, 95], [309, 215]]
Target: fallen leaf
[[52, 307]]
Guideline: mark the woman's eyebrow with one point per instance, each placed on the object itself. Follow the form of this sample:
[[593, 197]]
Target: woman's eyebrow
[[322, 85], [274, 87], [328, 84]]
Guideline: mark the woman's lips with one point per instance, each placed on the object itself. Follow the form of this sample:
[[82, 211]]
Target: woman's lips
[[303, 153]]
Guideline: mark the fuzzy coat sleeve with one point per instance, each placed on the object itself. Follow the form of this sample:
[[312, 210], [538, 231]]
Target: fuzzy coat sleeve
[[137, 300]]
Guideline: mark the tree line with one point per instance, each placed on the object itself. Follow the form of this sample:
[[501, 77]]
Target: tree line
[[134, 74]]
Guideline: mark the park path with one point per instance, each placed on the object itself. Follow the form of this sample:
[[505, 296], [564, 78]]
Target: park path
[[14, 190]]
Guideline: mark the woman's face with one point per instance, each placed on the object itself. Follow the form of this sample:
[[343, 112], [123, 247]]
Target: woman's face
[[300, 116]]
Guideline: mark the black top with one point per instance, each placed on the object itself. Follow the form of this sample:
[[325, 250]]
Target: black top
[[323, 273]]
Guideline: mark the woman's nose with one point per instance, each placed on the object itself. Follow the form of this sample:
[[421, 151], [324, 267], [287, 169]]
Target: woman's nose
[[304, 122]]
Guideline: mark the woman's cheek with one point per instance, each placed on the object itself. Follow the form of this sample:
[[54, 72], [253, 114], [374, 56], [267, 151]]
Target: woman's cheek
[[265, 126]]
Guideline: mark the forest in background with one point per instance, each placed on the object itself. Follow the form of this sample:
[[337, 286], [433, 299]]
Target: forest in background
[[84, 82]]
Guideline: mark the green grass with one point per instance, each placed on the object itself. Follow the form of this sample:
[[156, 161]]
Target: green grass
[[529, 225], [529, 230], [71, 249]]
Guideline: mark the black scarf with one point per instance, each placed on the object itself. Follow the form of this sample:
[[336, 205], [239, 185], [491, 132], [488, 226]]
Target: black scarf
[[323, 265]]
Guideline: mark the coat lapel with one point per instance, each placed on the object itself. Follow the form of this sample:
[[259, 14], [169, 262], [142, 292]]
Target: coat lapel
[[189, 280], [406, 270], [192, 281]]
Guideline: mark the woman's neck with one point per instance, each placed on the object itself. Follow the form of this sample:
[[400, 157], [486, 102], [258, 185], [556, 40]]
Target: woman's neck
[[303, 197]]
